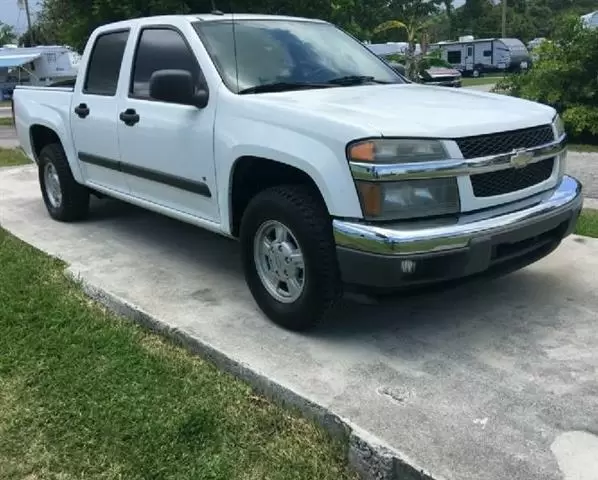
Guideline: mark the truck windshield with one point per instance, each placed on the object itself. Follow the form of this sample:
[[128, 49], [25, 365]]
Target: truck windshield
[[288, 53]]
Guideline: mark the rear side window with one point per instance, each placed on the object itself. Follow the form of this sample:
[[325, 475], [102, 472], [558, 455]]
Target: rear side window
[[160, 49], [104, 63]]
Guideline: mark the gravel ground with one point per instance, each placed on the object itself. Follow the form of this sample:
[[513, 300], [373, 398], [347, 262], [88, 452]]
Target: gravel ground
[[584, 166]]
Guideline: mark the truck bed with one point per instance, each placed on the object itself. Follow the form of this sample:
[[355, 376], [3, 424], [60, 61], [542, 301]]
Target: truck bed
[[48, 106]]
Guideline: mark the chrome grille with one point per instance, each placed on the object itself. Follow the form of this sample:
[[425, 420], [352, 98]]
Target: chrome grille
[[512, 179], [504, 142]]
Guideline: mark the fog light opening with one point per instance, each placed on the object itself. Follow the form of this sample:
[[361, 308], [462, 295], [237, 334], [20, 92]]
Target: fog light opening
[[408, 266]]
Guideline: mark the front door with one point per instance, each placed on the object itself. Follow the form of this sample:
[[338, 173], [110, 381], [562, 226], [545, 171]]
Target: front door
[[94, 115], [469, 57], [167, 151]]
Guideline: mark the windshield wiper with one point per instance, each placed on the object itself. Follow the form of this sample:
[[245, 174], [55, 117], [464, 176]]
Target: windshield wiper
[[349, 80], [283, 86]]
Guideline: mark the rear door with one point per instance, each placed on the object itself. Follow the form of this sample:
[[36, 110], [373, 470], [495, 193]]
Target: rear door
[[94, 111], [168, 153]]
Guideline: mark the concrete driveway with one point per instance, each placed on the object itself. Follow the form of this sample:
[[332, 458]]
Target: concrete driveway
[[496, 380]]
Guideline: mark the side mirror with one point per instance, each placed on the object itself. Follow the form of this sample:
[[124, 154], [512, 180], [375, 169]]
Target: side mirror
[[176, 86]]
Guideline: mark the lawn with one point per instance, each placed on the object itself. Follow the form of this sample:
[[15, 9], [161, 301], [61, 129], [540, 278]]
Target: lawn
[[485, 80], [588, 223], [10, 157], [84, 394], [6, 122]]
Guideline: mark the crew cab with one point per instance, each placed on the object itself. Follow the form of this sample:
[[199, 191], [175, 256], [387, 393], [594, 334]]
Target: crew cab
[[286, 133]]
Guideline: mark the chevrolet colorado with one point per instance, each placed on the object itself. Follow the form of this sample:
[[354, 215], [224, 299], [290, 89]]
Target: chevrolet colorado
[[291, 136]]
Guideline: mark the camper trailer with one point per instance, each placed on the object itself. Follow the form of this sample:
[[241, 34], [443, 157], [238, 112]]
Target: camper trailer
[[473, 57], [37, 66], [590, 20]]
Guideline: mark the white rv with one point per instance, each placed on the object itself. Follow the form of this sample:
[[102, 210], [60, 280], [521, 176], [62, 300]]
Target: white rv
[[38, 66], [474, 57], [590, 20]]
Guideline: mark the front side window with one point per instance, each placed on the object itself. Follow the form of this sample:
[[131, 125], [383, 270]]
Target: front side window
[[271, 51], [105, 63], [160, 49]]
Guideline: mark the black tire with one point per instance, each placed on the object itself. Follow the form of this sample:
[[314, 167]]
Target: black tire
[[300, 210], [74, 203]]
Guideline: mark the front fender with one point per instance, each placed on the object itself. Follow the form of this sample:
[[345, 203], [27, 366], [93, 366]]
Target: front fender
[[316, 157]]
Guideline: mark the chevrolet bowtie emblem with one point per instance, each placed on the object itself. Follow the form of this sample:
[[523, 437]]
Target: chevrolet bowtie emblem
[[521, 158]]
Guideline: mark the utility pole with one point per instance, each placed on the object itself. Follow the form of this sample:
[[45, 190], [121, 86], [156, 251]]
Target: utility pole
[[504, 18], [25, 4]]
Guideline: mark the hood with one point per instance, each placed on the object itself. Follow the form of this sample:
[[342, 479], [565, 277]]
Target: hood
[[410, 110]]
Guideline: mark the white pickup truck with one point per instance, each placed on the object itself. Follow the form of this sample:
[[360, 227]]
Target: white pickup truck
[[331, 169]]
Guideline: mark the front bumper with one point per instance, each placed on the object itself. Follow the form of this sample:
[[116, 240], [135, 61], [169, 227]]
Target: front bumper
[[411, 253]]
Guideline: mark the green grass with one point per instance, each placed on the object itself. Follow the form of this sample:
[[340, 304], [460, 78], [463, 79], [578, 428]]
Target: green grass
[[86, 395], [588, 223], [10, 157], [6, 122], [485, 80]]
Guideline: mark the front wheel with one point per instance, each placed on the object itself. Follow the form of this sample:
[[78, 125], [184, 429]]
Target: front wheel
[[289, 256]]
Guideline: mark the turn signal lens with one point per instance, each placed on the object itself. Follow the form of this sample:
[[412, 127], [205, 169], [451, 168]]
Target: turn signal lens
[[371, 198], [363, 152], [397, 150]]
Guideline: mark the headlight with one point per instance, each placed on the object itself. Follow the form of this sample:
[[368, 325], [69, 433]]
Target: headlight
[[559, 126], [408, 198], [401, 150]]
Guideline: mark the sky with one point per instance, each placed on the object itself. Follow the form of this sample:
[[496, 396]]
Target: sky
[[12, 15]]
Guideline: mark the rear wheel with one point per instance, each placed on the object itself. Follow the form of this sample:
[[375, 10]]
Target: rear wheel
[[65, 199], [289, 256]]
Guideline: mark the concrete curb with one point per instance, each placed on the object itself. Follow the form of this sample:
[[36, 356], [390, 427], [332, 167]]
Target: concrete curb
[[371, 458]]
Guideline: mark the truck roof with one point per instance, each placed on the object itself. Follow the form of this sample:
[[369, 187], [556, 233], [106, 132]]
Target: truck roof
[[206, 17], [246, 16]]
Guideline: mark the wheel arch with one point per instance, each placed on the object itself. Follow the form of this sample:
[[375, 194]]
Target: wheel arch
[[42, 134], [244, 185]]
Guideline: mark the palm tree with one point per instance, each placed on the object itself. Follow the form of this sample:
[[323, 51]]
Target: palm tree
[[414, 29]]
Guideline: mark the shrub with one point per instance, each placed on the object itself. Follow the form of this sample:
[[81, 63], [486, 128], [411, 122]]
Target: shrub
[[565, 76]]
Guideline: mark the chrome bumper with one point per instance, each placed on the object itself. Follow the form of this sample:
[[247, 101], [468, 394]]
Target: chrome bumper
[[407, 238]]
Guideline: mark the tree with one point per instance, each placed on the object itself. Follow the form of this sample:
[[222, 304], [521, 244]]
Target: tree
[[414, 17], [38, 34], [7, 34], [565, 76]]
